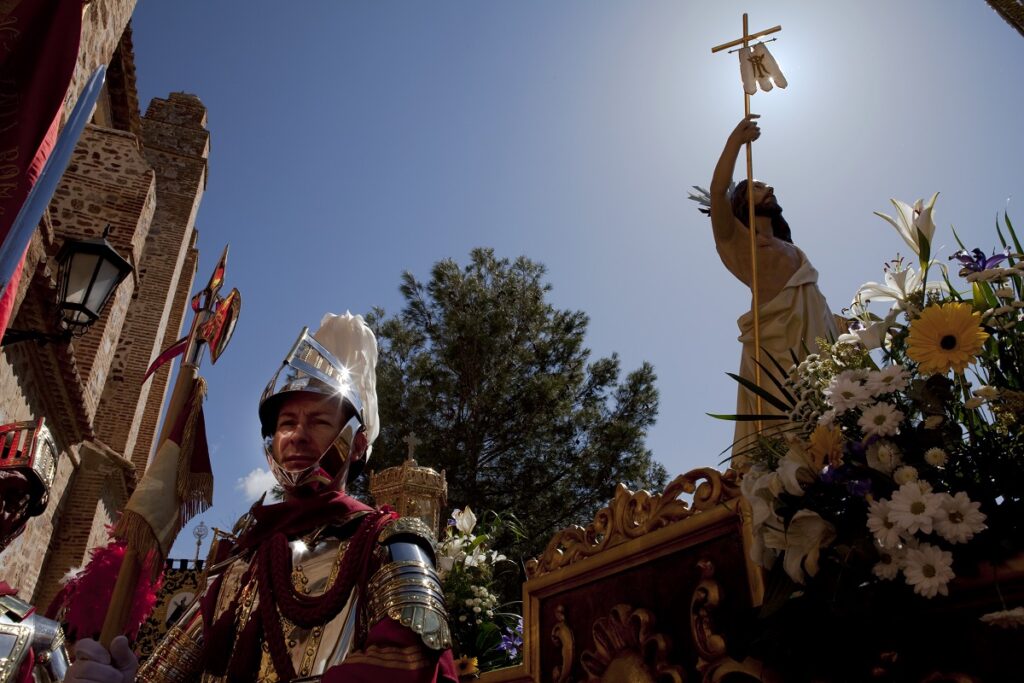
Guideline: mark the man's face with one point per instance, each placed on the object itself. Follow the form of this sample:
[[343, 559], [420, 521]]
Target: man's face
[[15, 498], [764, 197], [307, 425]]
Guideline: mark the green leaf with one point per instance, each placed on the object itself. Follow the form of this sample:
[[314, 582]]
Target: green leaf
[[1013, 234], [778, 385], [765, 395], [747, 418], [957, 238]]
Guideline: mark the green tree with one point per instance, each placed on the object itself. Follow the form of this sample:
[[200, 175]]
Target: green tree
[[498, 385]]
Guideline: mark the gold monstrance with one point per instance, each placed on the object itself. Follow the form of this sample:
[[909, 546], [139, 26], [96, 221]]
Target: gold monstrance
[[412, 490]]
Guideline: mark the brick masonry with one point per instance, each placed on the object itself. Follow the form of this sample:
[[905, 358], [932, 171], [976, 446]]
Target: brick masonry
[[144, 176]]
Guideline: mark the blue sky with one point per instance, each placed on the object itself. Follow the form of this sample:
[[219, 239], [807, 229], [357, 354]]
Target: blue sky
[[352, 141]]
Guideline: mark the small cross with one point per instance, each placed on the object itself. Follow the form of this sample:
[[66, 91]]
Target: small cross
[[412, 442]]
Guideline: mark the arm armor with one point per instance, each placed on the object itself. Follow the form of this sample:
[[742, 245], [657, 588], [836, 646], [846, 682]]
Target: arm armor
[[21, 628], [406, 587], [177, 656]]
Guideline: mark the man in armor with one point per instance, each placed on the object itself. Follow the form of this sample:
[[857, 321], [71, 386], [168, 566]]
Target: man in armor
[[31, 646], [319, 587]]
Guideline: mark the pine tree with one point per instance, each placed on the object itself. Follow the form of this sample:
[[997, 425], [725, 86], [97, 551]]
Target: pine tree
[[499, 387]]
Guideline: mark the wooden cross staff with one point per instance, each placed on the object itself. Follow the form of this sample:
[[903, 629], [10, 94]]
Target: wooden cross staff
[[745, 42]]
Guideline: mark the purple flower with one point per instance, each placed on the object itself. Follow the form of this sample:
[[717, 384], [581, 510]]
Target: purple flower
[[975, 260], [859, 487], [512, 640]]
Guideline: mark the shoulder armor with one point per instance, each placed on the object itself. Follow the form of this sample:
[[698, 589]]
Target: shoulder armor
[[408, 526], [20, 630], [15, 608], [406, 588]]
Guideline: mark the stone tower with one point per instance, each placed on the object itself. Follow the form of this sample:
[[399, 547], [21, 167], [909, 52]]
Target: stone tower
[[145, 177]]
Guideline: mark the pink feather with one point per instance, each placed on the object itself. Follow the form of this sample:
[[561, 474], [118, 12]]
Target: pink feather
[[82, 603]]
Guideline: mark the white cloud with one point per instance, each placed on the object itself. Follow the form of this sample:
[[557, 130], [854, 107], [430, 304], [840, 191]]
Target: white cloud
[[255, 483]]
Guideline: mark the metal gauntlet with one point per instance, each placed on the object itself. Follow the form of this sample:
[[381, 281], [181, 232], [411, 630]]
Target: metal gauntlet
[[177, 657], [406, 587]]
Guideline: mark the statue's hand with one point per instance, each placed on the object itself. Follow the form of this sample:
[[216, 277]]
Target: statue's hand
[[746, 131], [93, 664]]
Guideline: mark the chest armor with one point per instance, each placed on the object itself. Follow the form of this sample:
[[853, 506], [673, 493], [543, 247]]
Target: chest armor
[[313, 651], [404, 588]]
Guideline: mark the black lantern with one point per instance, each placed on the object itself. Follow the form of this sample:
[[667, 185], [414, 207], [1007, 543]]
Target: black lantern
[[89, 272]]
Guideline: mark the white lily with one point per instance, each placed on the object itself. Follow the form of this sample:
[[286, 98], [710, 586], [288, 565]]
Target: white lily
[[801, 543], [914, 224], [797, 469], [465, 520], [900, 284]]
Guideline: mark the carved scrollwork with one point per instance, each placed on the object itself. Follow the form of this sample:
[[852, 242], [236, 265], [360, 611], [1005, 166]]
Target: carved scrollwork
[[713, 660], [627, 648], [631, 515], [561, 634], [706, 596]]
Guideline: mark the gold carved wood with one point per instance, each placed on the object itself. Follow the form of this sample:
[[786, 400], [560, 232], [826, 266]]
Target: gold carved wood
[[561, 634], [632, 515], [627, 649]]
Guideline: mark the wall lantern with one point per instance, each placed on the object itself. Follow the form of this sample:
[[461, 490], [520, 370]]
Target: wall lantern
[[89, 272]]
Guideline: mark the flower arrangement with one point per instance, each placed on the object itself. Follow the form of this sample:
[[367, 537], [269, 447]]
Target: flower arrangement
[[897, 462], [487, 636]]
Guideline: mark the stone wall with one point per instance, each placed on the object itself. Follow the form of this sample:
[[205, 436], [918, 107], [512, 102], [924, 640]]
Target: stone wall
[[176, 144]]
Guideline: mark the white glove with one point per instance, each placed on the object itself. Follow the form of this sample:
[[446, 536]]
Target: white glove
[[93, 662]]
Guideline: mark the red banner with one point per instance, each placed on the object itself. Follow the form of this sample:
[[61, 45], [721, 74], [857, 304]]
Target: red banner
[[38, 51]]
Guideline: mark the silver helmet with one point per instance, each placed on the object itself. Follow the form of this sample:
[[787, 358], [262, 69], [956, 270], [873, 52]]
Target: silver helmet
[[339, 362]]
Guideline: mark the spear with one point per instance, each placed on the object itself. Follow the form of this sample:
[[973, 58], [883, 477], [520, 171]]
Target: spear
[[172, 490]]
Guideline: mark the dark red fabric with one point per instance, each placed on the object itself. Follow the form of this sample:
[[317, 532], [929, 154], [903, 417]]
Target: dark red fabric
[[5, 589], [299, 516], [37, 59], [25, 671], [389, 633], [200, 462]]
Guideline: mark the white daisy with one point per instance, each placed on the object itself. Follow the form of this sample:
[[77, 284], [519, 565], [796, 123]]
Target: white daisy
[[890, 561], [884, 529], [928, 569], [1007, 618], [936, 457], [883, 456], [845, 392], [913, 510], [905, 474], [828, 418], [887, 380], [958, 518], [881, 419]]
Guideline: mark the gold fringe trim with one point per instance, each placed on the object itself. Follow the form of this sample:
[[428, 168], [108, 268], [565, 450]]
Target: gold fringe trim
[[195, 491], [134, 529]]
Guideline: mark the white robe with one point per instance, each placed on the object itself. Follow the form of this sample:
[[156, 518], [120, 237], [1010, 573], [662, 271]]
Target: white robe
[[793, 319]]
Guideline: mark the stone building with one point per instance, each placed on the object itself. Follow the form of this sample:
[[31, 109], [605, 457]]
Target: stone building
[[144, 176]]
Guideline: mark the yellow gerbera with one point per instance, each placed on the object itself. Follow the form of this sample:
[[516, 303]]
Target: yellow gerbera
[[946, 336], [466, 666], [827, 446]]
